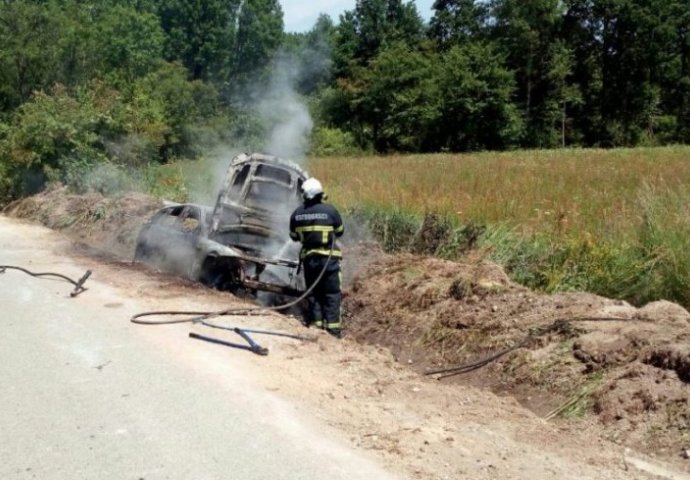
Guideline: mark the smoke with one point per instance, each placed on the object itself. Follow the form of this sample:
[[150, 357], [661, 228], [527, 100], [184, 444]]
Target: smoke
[[270, 117], [287, 125], [105, 178], [284, 112]]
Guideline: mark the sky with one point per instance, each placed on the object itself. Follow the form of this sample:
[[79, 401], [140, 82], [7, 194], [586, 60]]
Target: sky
[[300, 16]]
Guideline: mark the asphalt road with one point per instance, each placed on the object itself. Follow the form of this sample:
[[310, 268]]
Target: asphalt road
[[86, 395]]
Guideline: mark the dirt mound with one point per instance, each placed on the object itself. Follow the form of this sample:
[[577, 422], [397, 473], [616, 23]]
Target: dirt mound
[[110, 224], [568, 355]]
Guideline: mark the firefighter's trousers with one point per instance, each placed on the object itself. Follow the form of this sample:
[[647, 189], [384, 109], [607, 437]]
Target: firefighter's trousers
[[324, 300]]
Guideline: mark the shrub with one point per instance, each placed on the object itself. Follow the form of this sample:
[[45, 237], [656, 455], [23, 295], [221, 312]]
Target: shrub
[[664, 239], [394, 229], [165, 181], [46, 130], [326, 142]]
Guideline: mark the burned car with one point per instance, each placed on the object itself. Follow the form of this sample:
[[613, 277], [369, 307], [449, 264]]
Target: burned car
[[240, 243]]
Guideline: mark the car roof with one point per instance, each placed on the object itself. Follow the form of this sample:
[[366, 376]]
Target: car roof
[[268, 159]]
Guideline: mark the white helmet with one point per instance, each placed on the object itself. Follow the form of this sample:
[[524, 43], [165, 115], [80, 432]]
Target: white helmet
[[311, 188]]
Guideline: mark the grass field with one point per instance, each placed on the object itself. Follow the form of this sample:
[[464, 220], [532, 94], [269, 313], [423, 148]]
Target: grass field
[[615, 222]]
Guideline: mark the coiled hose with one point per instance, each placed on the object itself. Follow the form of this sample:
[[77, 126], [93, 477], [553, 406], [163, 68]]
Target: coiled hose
[[202, 317]]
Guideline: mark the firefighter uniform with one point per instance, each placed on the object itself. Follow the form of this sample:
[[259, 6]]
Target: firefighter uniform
[[316, 225]]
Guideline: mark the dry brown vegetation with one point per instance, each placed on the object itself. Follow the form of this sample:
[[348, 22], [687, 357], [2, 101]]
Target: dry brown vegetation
[[611, 222], [580, 191]]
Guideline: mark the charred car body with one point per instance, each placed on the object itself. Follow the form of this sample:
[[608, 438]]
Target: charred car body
[[240, 243]]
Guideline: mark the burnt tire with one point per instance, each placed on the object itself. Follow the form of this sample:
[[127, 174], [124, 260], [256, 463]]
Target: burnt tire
[[220, 274]]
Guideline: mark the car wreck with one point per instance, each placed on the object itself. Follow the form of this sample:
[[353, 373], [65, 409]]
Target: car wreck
[[241, 243]]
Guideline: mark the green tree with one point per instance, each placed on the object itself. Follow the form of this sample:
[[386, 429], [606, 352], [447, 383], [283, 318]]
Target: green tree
[[30, 35], [128, 42], [259, 34], [372, 26], [189, 109], [310, 54], [64, 42], [682, 85], [395, 100], [200, 34], [456, 22], [628, 67], [316, 64], [477, 111], [526, 31]]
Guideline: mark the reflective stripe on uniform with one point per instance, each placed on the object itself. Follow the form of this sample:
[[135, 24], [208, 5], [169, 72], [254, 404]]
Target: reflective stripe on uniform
[[340, 229], [323, 251], [332, 325], [324, 229]]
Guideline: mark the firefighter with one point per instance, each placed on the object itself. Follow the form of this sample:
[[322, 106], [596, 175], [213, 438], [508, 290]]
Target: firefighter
[[316, 225]]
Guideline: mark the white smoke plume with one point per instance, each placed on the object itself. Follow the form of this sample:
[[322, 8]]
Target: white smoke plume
[[285, 114], [282, 114]]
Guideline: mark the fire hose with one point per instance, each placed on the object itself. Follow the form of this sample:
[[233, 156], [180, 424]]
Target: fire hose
[[202, 317], [78, 284], [559, 325], [253, 346]]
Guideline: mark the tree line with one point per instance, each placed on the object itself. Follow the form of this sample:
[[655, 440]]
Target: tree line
[[138, 81], [513, 73]]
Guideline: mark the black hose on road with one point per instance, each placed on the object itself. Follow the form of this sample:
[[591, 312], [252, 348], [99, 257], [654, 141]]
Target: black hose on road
[[78, 284], [252, 347]]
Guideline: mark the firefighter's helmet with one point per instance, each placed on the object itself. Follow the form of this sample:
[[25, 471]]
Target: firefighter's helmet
[[311, 188]]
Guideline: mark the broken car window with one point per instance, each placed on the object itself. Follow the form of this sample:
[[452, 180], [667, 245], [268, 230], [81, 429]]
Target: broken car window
[[170, 218], [238, 182], [268, 195], [273, 173], [190, 221]]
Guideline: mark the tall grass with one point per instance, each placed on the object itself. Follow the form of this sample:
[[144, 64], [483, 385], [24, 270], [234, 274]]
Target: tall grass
[[613, 222]]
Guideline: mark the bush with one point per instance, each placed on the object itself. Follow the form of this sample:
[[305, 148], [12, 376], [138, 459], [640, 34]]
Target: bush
[[326, 142], [394, 229], [165, 181], [664, 239], [45, 130], [90, 137], [182, 107], [524, 258]]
